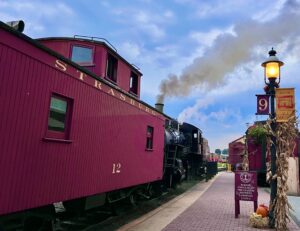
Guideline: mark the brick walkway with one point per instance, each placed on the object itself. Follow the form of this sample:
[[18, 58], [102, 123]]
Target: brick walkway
[[214, 210]]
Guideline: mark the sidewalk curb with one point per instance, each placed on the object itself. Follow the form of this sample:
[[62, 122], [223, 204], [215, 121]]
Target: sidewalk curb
[[134, 224], [295, 213], [292, 214], [295, 219]]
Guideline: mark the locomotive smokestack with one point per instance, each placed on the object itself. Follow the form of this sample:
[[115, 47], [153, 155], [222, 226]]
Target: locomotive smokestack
[[17, 25], [159, 107]]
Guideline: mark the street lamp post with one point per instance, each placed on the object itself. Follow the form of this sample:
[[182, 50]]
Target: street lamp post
[[272, 73]]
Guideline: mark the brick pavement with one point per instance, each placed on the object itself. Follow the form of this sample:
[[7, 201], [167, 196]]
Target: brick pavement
[[214, 210]]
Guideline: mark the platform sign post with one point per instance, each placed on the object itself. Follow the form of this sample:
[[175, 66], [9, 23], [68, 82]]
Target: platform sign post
[[245, 189]]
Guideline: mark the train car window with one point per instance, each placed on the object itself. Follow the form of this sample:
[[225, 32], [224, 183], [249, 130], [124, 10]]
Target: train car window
[[133, 83], [59, 117], [195, 135], [82, 55], [111, 68], [149, 141]]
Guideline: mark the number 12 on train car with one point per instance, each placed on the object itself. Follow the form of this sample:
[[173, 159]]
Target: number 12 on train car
[[262, 104]]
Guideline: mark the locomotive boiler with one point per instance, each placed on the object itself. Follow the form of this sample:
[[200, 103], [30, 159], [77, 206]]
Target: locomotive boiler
[[183, 152]]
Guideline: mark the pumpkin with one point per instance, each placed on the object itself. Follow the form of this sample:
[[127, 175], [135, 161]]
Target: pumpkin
[[262, 210]]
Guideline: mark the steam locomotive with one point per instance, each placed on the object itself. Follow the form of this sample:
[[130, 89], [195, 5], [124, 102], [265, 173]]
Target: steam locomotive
[[74, 130], [183, 152]]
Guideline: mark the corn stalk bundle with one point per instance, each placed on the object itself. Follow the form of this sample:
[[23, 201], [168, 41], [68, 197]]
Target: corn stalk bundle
[[245, 163], [285, 135]]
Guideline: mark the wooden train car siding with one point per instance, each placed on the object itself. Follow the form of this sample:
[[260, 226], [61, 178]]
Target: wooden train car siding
[[256, 156], [106, 147], [100, 54], [236, 150]]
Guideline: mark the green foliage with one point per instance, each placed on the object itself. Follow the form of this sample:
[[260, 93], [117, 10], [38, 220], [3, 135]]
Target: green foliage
[[225, 151], [258, 134], [222, 165], [218, 151]]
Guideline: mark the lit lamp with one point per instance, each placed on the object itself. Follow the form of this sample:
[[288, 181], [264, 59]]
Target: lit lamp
[[272, 72], [272, 67]]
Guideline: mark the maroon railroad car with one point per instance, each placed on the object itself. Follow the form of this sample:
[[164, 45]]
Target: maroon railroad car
[[71, 129], [236, 151], [257, 155], [95, 55]]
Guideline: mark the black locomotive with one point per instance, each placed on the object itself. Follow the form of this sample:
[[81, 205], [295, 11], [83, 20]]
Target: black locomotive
[[183, 152]]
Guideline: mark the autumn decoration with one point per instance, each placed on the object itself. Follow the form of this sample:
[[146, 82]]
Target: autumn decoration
[[263, 210], [285, 134], [258, 221]]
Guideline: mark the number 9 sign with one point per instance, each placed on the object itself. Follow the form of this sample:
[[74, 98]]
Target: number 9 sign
[[262, 104]]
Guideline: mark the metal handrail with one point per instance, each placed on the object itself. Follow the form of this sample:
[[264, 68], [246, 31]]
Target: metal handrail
[[135, 66], [97, 38]]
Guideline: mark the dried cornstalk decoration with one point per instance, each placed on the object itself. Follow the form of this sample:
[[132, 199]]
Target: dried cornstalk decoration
[[268, 156], [257, 221], [286, 133]]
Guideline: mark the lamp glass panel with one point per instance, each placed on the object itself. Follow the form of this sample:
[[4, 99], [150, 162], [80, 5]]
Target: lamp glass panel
[[272, 70]]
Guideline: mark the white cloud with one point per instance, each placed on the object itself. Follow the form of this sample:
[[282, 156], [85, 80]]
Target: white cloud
[[142, 17], [260, 10], [221, 141], [223, 114], [269, 13], [41, 9], [205, 9], [195, 110], [167, 51], [153, 30], [168, 14], [208, 38], [105, 3], [37, 14], [150, 22], [130, 50], [198, 112]]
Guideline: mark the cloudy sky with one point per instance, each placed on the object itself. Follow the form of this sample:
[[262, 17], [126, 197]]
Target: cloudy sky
[[202, 58]]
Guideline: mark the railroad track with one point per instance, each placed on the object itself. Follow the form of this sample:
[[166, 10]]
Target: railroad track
[[105, 218], [117, 215]]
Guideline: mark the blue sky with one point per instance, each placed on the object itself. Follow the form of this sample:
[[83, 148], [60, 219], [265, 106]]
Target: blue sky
[[205, 54]]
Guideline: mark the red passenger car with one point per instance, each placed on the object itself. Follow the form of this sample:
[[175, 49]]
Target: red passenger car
[[236, 151], [72, 124]]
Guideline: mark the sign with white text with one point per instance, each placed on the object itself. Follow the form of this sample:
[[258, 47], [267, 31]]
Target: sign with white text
[[263, 105], [245, 185]]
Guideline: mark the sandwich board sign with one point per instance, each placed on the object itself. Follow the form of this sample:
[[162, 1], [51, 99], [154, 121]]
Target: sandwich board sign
[[245, 189]]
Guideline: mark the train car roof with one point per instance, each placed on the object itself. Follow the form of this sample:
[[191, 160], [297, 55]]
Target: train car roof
[[238, 140], [88, 39], [68, 61]]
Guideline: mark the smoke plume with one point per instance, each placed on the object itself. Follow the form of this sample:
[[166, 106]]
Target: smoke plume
[[229, 51]]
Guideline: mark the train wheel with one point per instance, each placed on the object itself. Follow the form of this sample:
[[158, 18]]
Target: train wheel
[[156, 189], [151, 191], [134, 199]]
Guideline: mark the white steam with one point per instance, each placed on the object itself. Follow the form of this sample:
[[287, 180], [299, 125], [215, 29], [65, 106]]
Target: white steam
[[229, 51]]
